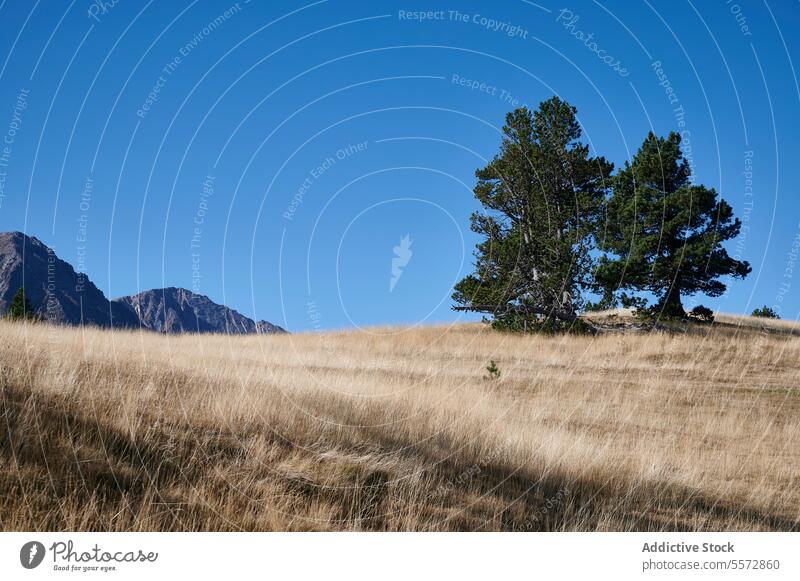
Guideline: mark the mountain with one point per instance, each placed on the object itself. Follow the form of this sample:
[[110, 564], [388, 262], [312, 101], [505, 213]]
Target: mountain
[[177, 310], [265, 328], [61, 295], [55, 290]]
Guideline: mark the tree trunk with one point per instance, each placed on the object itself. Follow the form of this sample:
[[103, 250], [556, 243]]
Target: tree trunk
[[671, 305]]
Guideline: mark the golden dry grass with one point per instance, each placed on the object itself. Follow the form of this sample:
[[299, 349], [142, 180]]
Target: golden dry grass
[[398, 429]]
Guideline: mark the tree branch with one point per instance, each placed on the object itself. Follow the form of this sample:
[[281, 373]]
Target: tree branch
[[560, 314]]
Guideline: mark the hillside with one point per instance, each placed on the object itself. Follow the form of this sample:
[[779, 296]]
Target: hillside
[[57, 292], [62, 296], [399, 429], [177, 310]]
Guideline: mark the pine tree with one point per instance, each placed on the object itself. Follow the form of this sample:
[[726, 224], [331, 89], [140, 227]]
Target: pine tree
[[765, 312], [20, 307], [542, 197], [665, 234]]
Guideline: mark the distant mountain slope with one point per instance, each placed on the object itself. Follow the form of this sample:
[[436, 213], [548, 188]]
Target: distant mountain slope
[[56, 291], [62, 296], [265, 328], [177, 310]]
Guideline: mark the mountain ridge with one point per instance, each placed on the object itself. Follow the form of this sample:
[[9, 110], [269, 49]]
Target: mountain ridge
[[62, 295], [179, 310]]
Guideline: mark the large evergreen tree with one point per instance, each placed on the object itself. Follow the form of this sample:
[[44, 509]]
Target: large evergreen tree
[[664, 233], [542, 196], [20, 307]]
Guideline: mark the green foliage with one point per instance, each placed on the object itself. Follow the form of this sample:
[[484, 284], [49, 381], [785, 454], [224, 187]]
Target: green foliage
[[581, 327], [20, 307], [702, 314], [766, 313], [545, 204], [606, 302], [664, 234], [522, 322], [542, 197], [494, 371]]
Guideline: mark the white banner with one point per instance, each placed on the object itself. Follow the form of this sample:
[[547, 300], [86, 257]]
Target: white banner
[[404, 556]]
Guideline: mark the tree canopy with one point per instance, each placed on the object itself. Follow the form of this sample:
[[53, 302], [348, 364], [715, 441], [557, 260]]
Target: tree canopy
[[555, 223], [542, 197], [20, 307], [663, 233]]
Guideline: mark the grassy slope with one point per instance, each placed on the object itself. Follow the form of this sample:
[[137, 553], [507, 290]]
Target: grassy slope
[[396, 429]]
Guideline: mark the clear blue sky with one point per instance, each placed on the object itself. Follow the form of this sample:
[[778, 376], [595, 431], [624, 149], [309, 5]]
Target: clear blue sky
[[249, 142]]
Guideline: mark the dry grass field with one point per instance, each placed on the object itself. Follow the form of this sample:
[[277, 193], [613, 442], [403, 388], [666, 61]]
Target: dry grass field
[[400, 429]]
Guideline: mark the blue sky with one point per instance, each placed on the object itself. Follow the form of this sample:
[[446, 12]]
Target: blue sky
[[272, 155]]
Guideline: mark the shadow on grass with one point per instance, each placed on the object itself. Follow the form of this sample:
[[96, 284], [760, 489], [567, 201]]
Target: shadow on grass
[[66, 470]]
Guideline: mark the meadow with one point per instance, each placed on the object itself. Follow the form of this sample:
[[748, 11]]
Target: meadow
[[401, 429]]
